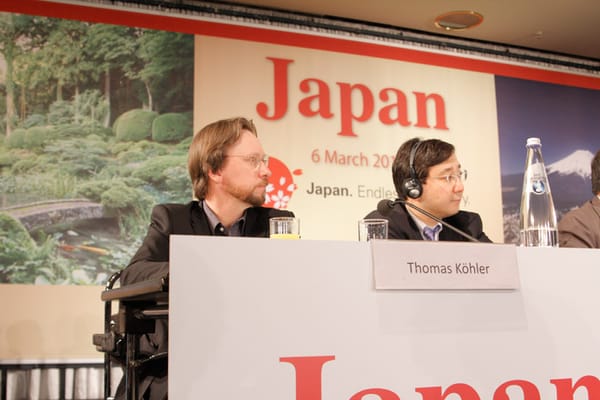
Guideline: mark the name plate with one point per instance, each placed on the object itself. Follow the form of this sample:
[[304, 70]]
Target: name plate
[[407, 264]]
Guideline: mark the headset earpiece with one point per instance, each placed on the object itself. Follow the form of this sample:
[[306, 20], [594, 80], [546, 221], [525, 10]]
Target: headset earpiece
[[412, 186]]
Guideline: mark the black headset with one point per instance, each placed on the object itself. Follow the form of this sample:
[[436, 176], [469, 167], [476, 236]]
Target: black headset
[[412, 186]]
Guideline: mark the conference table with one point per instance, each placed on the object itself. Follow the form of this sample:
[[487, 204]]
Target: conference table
[[300, 319]]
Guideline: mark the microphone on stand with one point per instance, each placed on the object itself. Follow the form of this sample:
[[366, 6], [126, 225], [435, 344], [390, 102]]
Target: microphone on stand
[[385, 208]]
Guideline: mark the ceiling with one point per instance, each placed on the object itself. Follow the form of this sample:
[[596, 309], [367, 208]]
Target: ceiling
[[568, 27]]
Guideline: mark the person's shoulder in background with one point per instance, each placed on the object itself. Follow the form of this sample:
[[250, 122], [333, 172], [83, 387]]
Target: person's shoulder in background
[[580, 227]]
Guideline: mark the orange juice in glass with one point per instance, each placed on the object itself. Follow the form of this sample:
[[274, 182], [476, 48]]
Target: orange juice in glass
[[284, 228]]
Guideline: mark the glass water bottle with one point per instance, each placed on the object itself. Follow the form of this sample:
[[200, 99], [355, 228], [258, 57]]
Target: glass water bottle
[[538, 217]]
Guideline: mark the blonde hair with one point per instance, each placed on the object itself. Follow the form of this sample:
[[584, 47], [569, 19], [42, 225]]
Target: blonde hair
[[207, 150]]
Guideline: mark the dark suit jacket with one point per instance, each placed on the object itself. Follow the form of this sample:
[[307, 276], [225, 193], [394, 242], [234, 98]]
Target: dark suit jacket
[[402, 226], [152, 261], [581, 227]]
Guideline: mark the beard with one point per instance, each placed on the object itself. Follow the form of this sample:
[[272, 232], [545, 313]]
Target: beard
[[254, 196], [255, 199]]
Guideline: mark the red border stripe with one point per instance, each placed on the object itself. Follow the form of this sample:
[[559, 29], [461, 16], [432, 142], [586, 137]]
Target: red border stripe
[[149, 20]]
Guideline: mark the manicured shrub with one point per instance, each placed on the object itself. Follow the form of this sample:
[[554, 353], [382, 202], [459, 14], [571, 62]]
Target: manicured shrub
[[154, 170], [134, 125], [7, 158], [16, 140], [23, 166], [35, 137], [16, 245], [34, 120], [171, 127]]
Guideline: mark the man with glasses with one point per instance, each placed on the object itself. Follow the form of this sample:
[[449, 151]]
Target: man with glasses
[[428, 176], [229, 172]]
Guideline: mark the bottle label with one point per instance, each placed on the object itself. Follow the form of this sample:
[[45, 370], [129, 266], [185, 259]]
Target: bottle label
[[538, 186], [537, 179]]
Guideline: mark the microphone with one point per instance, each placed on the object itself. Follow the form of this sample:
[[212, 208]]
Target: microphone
[[384, 207]]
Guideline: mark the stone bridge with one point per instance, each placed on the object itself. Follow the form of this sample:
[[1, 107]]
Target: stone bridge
[[46, 213]]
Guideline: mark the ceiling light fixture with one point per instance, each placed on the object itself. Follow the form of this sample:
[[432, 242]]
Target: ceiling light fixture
[[458, 20]]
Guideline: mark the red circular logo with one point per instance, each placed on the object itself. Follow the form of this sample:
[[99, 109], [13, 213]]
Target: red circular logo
[[281, 184]]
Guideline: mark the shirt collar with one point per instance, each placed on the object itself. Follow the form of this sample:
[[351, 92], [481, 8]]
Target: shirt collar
[[235, 230], [420, 224]]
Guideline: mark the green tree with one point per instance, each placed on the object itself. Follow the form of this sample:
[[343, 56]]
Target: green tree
[[29, 75], [110, 47], [13, 27], [65, 56], [166, 62]]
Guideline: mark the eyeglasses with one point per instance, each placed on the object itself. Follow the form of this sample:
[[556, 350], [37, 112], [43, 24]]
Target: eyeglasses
[[453, 179], [253, 159]]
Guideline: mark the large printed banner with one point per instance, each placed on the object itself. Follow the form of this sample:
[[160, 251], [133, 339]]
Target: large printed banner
[[101, 131], [99, 104], [334, 122]]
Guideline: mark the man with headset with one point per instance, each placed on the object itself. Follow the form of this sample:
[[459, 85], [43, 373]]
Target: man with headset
[[429, 181]]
